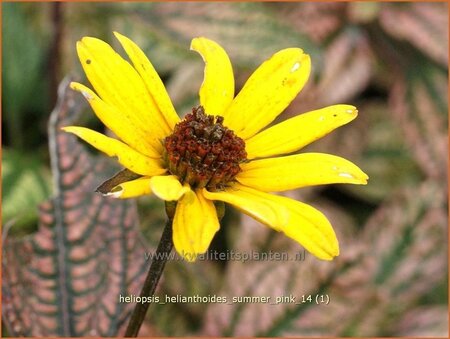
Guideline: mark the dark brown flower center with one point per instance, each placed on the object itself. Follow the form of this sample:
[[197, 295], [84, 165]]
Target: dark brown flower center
[[202, 152]]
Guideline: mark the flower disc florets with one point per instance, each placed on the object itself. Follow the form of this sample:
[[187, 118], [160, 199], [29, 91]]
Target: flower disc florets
[[204, 153]]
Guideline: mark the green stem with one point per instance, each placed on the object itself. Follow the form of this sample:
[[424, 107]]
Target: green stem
[[151, 281]]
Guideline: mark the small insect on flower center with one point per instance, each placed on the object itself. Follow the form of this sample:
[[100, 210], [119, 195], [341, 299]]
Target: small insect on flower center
[[204, 153]]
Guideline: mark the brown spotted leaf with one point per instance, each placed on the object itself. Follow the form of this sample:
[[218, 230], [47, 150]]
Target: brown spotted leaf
[[66, 279]]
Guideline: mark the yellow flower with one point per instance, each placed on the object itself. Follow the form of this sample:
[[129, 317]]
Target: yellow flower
[[220, 151]]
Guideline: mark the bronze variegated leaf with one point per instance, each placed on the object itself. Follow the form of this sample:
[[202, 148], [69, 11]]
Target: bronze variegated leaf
[[399, 258], [421, 110], [380, 274], [424, 321], [318, 20], [66, 279], [424, 25], [261, 280], [347, 68], [170, 28]]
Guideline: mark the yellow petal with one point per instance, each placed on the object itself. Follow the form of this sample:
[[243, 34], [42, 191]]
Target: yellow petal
[[167, 187], [128, 157], [120, 85], [292, 134], [310, 228], [299, 221], [268, 91], [117, 122], [258, 205], [194, 225], [131, 189], [155, 86], [217, 90], [294, 171]]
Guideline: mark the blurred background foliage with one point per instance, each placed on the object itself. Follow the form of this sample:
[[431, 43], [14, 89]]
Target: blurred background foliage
[[388, 59]]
